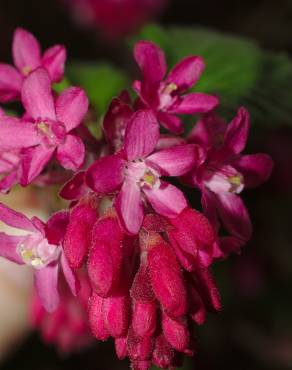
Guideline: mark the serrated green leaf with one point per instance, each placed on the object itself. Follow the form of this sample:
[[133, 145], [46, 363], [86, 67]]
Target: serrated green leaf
[[101, 81]]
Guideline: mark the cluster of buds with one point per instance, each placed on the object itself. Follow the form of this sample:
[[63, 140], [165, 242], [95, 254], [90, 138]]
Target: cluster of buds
[[128, 229]]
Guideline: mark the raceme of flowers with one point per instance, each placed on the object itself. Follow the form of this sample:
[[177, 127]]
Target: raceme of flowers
[[130, 235]]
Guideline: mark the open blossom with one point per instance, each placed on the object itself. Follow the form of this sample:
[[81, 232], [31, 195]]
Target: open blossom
[[223, 172], [41, 248], [67, 327], [115, 18], [27, 57], [47, 127], [136, 173], [165, 95]]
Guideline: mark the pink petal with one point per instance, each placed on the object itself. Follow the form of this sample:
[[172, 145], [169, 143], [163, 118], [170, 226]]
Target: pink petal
[[256, 168], [129, 207], [7, 182], [151, 61], [142, 134], [8, 245], [15, 219], [10, 83], [237, 132], [71, 152], [17, 134], [186, 73], [56, 226], [26, 51], [37, 95], [106, 174], [70, 276], [170, 122], [167, 200], [46, 284], [75, 188], [234, 215], [34, 160], [71, 107], [194, 103], [53, 61], [174, 161]]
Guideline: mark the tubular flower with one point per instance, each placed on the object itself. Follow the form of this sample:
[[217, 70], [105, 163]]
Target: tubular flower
[[27, 57], [40, 248], [223, 172], [137, 173], [165, 96]]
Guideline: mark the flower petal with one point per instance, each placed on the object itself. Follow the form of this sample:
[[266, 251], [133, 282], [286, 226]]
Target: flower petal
[[167, 200], [46, 284], [71, 107], [26, 51], [16, 134], [174, 161], [70, 276], [194, 103], [53, 61], [15, 219], [56, 226], [75, 188], [186, 73], [37, 96], [106, 174], [8, 246], [256, 168], [142, 134], [237, 132], [170, 122], [129, 207], [10, 83], [234, 215], [71, 152], [7, 182], [34, 160]]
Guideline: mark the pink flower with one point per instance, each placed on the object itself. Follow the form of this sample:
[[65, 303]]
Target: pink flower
[[137, 173], [27, 57], [165, 95], [67, 327], [40, 248], [48, 128], [223, 172], [106, 14]]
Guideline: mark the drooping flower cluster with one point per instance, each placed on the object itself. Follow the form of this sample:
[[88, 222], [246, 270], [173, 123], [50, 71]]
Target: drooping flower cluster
[[129, 226]]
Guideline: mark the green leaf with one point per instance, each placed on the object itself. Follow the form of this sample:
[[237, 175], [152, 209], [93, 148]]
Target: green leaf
[[237, 70], [101, 81]]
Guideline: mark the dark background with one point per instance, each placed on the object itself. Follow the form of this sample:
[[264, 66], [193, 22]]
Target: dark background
[[254, 330]]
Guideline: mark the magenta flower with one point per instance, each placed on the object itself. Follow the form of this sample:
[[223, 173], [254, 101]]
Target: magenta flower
[[40, 248], [223, 172], [137, 173], [27, 57], [48, 131], [165, 96]]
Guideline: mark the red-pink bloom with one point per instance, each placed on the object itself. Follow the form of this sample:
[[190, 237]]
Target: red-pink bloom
[[136, 173], [222, 172], [27, 57], [115, 18], [41, 248], [165, 95], [67, 327], [47, 127]]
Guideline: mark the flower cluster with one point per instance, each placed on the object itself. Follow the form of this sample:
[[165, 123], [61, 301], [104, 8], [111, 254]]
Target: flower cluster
[[129, 227]]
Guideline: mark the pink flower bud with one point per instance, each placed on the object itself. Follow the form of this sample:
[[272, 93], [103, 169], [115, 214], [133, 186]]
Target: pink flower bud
[[139, 348], [167, 280], [78, 234], [176, 333], [104, 262], [116, 315], [163, 352], [121, 347], [144, 318], [96, 320], [197, 308]]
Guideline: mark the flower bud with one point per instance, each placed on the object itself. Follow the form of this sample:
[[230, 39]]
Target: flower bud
[[176, 333], [96, 321]]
